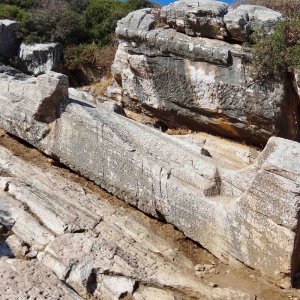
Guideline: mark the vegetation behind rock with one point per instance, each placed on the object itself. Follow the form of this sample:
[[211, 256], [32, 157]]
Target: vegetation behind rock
[[82, 26], [279, 51]]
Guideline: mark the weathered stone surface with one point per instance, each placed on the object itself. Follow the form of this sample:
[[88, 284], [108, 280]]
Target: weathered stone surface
[[40, 58], [9, 43], [20, 279], [225, 152], [200, 83], [245, 19], [43, 98], [98, 250], [196, 17], [237, 213]]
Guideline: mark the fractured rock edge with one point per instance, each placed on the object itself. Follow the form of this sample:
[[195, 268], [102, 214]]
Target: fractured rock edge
[[201, 83], [237, 214], [93, 247]]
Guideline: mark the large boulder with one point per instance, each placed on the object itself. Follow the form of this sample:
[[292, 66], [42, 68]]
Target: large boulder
[[200, 83], [237, 212], [196, 17], [9, 42], [40, 58], [100, 250], [245, 19]]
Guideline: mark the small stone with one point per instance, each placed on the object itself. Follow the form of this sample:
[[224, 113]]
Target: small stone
[[251, 276], [32, 254], [212, 271], [213, 285], [208, 267], [38, 247], [24, 250], [199, 268]]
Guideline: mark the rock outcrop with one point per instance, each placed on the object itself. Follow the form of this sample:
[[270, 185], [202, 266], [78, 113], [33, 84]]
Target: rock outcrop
[[9, 43], [196, 18], [169, 66], [94, 248], [235, 211], [33, 59], [245, 19], [40, 58]]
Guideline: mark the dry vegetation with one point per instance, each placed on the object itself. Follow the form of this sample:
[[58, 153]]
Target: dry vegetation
[[287, 7], [87, 63], [280, 51]]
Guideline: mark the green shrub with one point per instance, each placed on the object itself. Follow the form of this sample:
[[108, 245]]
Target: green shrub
[[13, 12], [101, 18], [21, 3], [279, 51], [54, 24]]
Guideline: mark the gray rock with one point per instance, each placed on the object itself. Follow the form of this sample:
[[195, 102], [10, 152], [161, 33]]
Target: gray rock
[[196, 17], [14, 246], [237, 213], [81, 96], [40, 58], [98, 249], [245, 19], [22, 279], [201, 83], [9, 42]]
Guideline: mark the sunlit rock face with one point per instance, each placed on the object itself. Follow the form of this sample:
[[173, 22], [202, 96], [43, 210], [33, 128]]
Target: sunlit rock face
[[235, 202], [184, 64], [40, 58]]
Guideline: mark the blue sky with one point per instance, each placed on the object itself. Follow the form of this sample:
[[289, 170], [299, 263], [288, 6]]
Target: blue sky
[[164, 2]]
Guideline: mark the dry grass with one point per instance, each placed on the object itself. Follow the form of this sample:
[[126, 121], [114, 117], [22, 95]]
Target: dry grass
[[86, 64], [99, 88]]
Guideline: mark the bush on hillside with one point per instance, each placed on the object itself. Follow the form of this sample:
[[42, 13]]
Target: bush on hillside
[[84, 27], [13, 12], [280, 51], [68, 21], [21, 3]]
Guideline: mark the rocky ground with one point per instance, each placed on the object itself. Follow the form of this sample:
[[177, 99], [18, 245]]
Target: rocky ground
[[62, 237]]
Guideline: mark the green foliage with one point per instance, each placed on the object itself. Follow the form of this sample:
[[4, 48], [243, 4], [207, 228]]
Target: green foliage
[[279, 51], [137, 4], [13, 12], [20, 3], [101, 18], [53, 25], [68, 21], [84, 27]]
